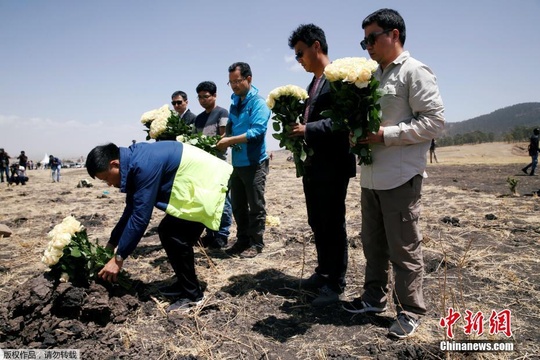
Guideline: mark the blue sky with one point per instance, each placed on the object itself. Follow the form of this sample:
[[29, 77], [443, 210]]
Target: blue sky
[[76, 74]]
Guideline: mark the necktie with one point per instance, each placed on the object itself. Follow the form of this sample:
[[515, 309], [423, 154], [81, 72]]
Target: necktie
[[311, 94]]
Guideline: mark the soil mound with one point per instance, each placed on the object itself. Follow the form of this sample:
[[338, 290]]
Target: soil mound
[[44, 313]]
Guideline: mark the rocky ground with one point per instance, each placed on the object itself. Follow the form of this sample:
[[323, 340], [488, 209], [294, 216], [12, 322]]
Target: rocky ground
[[481, 252]]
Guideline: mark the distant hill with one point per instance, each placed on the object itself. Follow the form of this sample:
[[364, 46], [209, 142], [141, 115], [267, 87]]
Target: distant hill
[[499, 121]]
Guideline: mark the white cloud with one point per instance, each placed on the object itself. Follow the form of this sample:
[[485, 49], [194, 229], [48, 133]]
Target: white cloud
[[295, 65], [67, 139], [296, 68], [290, 58]]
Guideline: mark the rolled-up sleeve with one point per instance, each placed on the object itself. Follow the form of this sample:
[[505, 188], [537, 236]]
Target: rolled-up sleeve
[[258, 122]]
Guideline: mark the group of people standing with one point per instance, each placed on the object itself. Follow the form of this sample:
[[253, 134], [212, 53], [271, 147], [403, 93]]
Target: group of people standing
[[16, 172], [412, 115]]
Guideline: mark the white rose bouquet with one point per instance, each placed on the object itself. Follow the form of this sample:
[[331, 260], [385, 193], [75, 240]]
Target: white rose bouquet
[[355, 104], [287, 105], [72, 257], [165, 124]]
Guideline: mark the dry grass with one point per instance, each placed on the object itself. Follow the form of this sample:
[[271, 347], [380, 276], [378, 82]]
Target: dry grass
[[254, 310]]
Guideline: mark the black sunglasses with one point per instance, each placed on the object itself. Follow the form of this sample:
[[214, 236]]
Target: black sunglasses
[[372, 38], [179, 102], [299, 55]]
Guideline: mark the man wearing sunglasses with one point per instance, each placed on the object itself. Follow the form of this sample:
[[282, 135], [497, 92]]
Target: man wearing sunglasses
[[180, 104], [327, 171], [412, 115]]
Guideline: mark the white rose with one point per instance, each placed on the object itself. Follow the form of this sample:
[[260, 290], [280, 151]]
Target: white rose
[[148, 116], [60, 241], [71, 225], [54, 251], [157, 127], [270, 102], [50, 260], [181, 138]]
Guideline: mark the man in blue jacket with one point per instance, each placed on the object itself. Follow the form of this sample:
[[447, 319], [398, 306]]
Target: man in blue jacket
[[182, 180], [246, 129]]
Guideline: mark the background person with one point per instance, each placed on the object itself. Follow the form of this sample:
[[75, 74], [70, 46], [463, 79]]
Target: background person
[[248, 121], [533, 153], [412, 115], [55, 165], [432, 154], [4, 165], [23, 162]]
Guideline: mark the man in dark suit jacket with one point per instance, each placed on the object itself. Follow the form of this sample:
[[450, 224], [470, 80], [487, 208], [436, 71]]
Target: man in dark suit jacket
[[327, 171], [180, 103]]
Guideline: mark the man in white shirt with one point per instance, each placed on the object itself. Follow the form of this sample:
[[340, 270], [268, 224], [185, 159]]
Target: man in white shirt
[[412, 115]]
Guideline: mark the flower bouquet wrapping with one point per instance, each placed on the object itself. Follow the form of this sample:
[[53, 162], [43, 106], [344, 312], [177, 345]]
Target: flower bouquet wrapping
[[72, 257], [165, 124], [355, 104], [287, 105]]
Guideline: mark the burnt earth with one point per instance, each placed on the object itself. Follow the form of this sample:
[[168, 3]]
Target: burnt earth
[[481, 251]]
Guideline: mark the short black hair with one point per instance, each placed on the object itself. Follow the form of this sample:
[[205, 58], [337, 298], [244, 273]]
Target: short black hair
[[245, 69], [308, 34], [536, 131], [388, 19], [98, 158], [209, 86], [179, 93]]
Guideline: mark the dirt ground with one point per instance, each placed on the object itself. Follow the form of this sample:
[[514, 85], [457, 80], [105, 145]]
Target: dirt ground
[[481, 253]]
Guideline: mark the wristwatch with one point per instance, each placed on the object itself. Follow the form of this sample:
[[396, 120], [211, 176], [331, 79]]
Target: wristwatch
[[118, 257]]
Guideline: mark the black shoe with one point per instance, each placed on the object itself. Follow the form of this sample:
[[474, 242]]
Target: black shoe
[[358, 306], [403, 327], [326, 296], [525, 171], [218, 243], [314, 282], [171, 290], [205, 241], [236, 249]]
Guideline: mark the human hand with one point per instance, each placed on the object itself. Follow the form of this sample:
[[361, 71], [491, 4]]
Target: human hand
[[223, 144], [110, 270], [297, 130], [372, 138]]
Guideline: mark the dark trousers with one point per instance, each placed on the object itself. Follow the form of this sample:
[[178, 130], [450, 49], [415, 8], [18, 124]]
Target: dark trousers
[[325, 202], [178, 237], [248, 203], [4, 170]]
